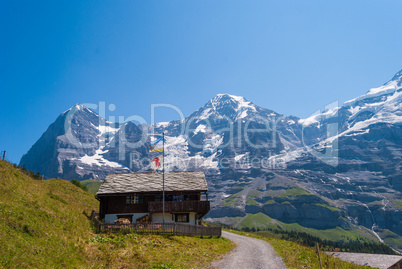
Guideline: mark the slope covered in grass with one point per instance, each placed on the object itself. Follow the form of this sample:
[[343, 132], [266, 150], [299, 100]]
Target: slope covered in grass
[[92, 184], [262, 221], [44, 224]]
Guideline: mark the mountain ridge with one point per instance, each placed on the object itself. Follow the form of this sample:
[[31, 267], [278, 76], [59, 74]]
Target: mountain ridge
[[346, 159]]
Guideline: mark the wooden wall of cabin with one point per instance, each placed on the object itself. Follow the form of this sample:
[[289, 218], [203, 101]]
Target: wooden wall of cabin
[[117, 204]]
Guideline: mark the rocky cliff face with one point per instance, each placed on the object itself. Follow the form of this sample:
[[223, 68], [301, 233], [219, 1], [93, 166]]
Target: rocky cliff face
[[338, 168], [73, 147]]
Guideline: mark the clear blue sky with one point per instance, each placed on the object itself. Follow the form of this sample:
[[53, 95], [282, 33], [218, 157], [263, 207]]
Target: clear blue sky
[[290, 56]]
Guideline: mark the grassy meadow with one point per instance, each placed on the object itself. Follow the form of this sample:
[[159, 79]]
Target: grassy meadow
[[45, 224]]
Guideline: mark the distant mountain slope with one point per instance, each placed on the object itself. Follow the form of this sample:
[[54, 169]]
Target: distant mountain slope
[[80, 144], [77, 145]]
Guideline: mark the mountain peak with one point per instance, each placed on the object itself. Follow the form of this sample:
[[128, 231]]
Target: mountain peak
[[226, 105], [79, 108], [397, 78], [223, 96], [389, 88], [224, 100]]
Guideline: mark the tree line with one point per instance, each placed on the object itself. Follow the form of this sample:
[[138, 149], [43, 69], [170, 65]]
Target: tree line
[[306, 239]]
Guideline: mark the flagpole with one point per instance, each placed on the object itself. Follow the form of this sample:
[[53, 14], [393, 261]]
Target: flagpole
[[163, 177]]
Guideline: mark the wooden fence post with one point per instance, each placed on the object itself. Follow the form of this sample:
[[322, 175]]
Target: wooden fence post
[[318, 252]]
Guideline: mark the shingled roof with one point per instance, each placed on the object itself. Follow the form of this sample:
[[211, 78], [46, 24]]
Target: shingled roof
[[150, 182]]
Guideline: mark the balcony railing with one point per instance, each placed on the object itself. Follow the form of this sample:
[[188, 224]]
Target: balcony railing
[[184, 206], [157, 228]]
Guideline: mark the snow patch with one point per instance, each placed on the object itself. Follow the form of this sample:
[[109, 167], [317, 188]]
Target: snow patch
[[200, 128], [97, 159], [317, 117], [163, 124], [239, 157], [205, 114], [388, 88], [211, 144], [105, 129]]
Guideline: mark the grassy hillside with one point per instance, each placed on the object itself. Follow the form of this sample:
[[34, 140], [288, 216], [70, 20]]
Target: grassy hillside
[[44, 224], [262, 221], [92, 184]]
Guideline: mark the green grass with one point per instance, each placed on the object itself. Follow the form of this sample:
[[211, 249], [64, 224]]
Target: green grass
[[262, 221], [259, 220], [329, 207], [336, 234], [231, 199], [251, 202], [298, 256], [391, 239], [92, 184], [398, 203], [294, 192], [269, 202], [42, 222], [240, 186], [254, 194], [153, 251], [45, 224]]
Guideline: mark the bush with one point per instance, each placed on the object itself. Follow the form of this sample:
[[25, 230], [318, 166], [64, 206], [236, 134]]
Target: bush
[[31, 174], [79, 184]]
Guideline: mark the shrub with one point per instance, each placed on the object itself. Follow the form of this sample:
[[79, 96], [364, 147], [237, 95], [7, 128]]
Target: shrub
[[79, 184]]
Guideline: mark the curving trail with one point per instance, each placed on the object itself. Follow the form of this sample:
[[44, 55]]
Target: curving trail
[[250, 253]]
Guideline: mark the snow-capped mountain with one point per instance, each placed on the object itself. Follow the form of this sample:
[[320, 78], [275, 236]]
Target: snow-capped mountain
[[76, 145], [378, 105], [227, 126], [256, 160], [228, 106], [369, 132]]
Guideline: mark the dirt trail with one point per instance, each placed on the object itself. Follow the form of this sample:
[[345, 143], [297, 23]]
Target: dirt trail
[[250, 253]]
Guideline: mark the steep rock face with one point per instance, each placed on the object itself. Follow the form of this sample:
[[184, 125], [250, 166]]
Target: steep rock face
[[316, 216], [127, 142], [42, 157], [389, 219], [72, 147]]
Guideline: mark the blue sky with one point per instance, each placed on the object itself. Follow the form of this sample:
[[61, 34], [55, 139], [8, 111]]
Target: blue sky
[[293, 57]]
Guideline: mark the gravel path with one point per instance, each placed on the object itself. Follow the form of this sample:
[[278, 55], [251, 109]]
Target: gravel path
[[250, 253]]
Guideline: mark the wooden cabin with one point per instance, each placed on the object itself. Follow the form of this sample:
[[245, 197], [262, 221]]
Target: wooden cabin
[[138, 197]]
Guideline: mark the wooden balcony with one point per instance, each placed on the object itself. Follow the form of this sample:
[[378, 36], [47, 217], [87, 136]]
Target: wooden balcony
[[157, 228], [184, 206]]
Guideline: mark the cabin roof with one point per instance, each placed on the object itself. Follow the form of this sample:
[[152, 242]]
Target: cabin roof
[[151, 182]]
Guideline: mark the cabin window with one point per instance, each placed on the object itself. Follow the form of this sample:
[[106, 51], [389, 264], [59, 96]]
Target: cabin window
[[134, 199], [182, 217], [158, 198]]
